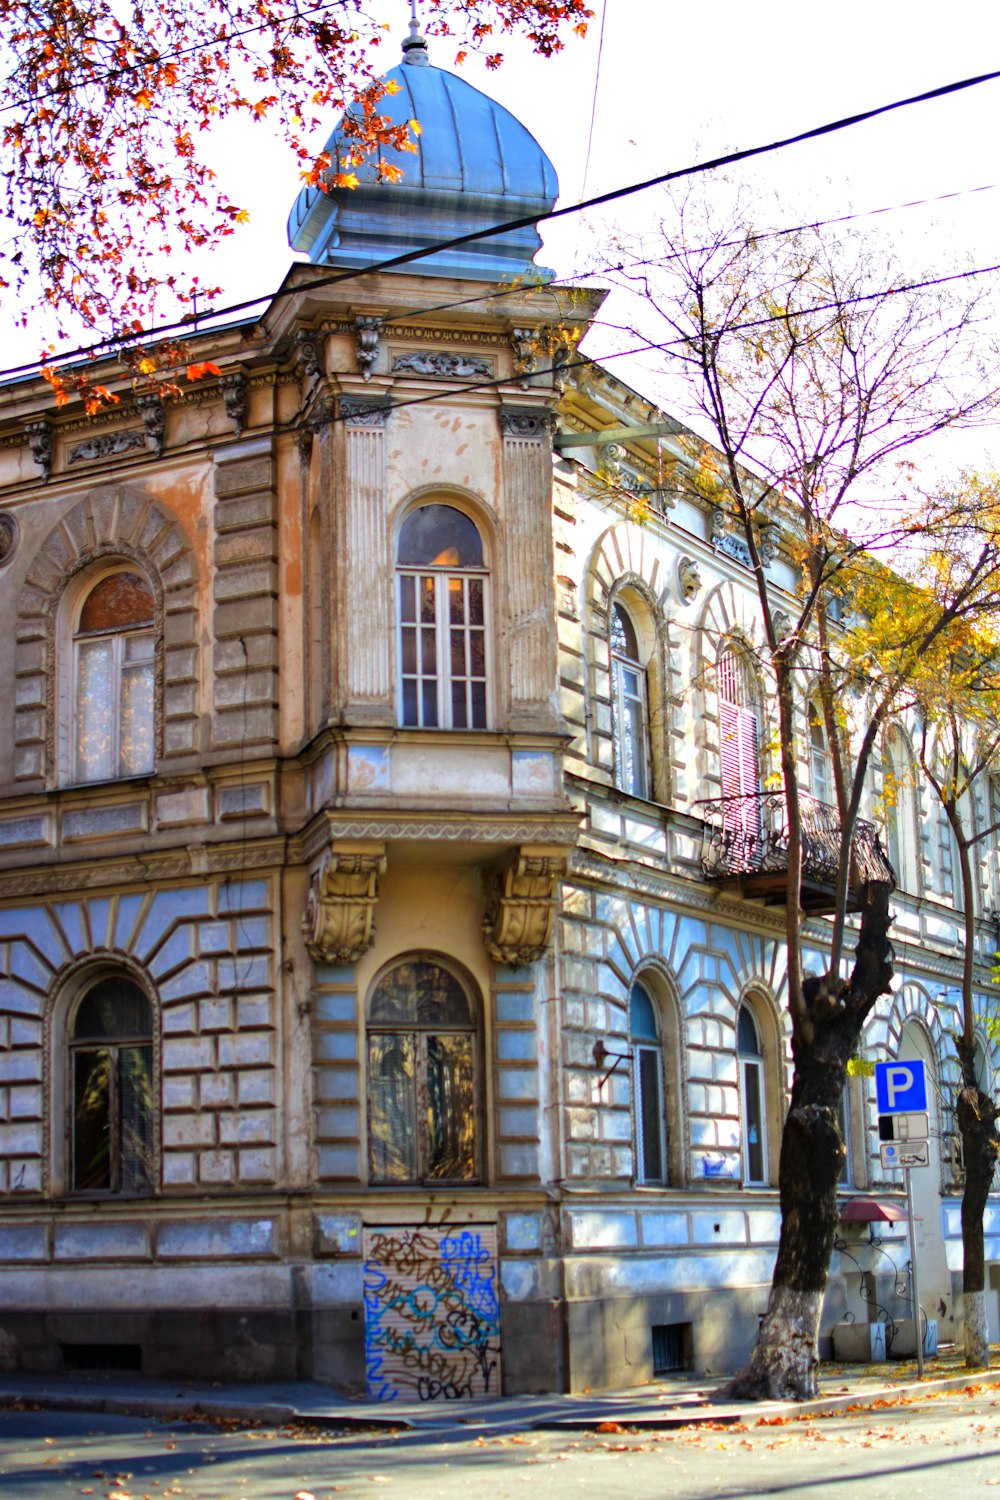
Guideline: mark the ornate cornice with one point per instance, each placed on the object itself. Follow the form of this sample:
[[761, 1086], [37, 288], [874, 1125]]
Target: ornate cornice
[[562, 832], [339, 919], [144, 869], [522, 906]]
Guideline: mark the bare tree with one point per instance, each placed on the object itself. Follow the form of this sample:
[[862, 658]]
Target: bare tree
[[816, 372]]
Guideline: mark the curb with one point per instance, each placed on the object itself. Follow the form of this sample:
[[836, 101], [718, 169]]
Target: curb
[[753, 1414], [645, 1416]]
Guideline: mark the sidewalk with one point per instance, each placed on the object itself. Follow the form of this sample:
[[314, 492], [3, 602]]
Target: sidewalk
[[677, 1402]]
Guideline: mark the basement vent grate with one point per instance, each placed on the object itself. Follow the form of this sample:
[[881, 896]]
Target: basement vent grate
[[669, 1354], [102, 1356]]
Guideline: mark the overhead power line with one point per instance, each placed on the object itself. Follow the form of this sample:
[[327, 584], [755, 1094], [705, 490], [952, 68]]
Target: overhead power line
[[335, 278]]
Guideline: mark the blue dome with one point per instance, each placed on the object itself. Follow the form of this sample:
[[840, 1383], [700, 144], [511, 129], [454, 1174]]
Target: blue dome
[[475, 166]]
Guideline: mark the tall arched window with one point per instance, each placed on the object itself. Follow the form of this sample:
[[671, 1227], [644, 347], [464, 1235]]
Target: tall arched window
[[443, 642], [753, 1103], [820, 767], [898, 799], [739, 742], [423, 1089], [628, 706], [111, 1083], [647, 1084], [114, 651]]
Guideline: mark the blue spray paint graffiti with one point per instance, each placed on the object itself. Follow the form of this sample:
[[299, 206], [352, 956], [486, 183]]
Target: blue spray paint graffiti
[[432, 1313]]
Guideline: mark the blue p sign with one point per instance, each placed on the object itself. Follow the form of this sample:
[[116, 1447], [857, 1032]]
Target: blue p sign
[[900, 1087]]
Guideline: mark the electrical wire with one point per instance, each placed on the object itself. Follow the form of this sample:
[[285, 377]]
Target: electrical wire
[[526, 221]]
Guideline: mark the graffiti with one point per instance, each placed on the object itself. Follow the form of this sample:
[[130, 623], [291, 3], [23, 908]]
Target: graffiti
[[432, 1313]]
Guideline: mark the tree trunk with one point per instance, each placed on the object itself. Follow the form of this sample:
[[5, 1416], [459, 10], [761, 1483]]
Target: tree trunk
[[784, 1364], [977, 1124]]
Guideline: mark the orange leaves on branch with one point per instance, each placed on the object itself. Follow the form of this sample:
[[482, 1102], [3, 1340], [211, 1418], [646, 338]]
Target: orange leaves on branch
[[203, 368]]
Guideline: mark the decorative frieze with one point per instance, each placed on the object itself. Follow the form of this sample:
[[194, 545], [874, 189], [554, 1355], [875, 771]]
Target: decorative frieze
[[444, 366], [107, 445], [526, 422], [339, 919], [523, 901]]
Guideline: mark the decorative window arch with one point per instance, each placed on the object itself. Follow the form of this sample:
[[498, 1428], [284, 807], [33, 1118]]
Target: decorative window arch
[[629, 704], [110, 1089], [443, 644], [649, 1116], [111, 649], [424, 1074], [753, 1097]]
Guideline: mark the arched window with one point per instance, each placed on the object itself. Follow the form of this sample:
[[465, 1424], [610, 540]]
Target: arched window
[[111, 1085], [647, 1084], [423, 1088], [114, 651], [820, 767], [753, 1104], [898, 801], [628, 706], [738, 743], [442, 601]]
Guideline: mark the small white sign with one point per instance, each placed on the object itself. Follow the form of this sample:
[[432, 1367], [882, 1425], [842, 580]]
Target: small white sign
[[896, 1155], [904, 1127]]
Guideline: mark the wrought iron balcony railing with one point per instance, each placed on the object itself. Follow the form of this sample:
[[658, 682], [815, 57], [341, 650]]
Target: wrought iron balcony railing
[[746, 840]]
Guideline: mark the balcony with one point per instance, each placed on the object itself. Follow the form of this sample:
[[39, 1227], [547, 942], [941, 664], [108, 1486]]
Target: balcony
[[745, 849]]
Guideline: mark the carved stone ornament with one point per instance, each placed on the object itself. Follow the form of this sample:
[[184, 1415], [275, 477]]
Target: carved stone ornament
[[357, 412], [234, 395], [154, 418], [339, 919], [524, 342], [40, 443], [367, 343], [304, 440], [448, 366], [767, 543], [782, 622], [307, 353], [726, 541], [8, 537], [523, 901], [106, 445], [526, 422], [688, 578]]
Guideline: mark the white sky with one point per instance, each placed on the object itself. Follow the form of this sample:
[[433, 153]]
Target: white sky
[[679, 83]]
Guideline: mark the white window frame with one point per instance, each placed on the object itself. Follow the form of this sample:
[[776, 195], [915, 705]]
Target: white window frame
[[752, 1065], [443, 580], [118, 641], [631, 745]]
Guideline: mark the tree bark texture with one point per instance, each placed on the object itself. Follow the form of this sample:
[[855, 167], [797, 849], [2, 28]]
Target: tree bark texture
[[976, 1115], [784, 1364]]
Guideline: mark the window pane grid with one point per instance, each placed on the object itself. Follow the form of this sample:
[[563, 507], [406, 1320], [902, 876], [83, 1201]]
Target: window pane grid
[[114, 694], [443, 653]]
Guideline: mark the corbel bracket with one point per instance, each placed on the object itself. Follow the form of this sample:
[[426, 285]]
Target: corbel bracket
[[339, 919], [522, 906]]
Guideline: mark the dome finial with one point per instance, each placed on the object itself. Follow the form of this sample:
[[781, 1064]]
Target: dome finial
[[415, 47]]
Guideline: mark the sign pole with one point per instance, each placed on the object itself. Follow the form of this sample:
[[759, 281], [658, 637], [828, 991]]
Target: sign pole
[[913, 1278]]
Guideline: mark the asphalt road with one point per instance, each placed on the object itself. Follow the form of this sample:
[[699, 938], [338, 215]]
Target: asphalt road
[[929, 1451]]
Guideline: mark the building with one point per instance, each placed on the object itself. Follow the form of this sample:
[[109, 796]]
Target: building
[[373, 1006]]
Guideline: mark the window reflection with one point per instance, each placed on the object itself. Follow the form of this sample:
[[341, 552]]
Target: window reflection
[[111, 1072], [422, 1078], [114, 656]]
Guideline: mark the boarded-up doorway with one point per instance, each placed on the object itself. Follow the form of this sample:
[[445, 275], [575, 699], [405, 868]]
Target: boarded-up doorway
[[432, 1313]]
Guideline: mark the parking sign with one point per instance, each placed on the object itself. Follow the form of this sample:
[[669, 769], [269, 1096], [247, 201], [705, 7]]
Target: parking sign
[[900, 1087]]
